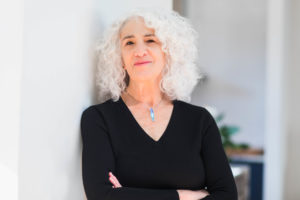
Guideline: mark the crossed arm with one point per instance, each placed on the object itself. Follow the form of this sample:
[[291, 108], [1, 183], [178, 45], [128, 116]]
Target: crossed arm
[[98, 161], [183, 194]]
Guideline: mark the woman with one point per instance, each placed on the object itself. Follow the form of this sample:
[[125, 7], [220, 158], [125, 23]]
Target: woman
[[145, 141]]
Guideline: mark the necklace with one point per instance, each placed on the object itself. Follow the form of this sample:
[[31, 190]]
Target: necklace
[[148, 107]]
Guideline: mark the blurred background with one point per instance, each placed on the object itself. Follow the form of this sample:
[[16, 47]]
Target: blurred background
[[248, 52]]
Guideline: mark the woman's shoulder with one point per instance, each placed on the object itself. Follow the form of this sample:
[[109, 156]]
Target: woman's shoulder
[[191, 107], [193, 110], [104, 106]]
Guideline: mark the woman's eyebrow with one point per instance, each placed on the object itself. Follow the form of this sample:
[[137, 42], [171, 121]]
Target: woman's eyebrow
[[131, 36], [149, 35], [127, 37]]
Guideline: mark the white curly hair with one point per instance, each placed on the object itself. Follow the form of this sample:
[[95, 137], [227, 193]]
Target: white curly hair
[[178, 39]]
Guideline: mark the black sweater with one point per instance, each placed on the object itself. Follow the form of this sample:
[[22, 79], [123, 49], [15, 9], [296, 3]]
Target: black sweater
[[189, 155]]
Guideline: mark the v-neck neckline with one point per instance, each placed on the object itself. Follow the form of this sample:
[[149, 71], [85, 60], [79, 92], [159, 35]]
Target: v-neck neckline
[[132, 118]]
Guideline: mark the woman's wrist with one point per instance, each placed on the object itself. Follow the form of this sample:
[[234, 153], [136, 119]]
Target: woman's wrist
[[192, 194], [179, 194]]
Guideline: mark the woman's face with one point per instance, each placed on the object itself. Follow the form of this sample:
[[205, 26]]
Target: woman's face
[[141, 51]]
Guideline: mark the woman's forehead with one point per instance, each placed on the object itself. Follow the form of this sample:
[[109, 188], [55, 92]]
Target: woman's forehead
[[135, 26]]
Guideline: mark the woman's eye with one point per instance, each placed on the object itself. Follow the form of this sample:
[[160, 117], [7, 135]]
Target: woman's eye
[[129, 43], [150, 41]]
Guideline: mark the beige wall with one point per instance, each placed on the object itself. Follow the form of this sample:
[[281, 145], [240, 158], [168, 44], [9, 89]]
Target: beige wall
[[232, 53], [250, 50], [292, 172]]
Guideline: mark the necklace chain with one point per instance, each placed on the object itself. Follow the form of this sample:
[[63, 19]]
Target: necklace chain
[[149, 107]]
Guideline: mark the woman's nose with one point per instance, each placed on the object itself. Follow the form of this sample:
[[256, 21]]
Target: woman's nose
[[140, 51]]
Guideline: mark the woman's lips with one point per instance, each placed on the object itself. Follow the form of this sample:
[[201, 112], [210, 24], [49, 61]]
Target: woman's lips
[[142, 63]]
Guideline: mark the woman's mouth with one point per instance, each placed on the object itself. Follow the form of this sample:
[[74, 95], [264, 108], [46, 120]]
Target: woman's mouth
[[141, 63]]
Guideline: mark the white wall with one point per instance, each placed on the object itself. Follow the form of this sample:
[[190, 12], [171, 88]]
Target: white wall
[[276, 100], [232, 54], [11, 12], [282, 114], [57, 84], [56, 87]]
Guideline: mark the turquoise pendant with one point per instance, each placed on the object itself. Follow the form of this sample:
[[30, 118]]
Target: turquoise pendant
[[152, 114]]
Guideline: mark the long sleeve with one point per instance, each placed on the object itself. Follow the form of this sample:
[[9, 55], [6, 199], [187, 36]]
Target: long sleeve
[[98, 159], [219, 179]]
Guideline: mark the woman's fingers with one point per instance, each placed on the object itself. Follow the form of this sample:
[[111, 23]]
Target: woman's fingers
[[205, 191], [114, 180], [111, 179]]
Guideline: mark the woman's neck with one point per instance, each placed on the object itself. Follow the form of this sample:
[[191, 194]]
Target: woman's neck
[[146, 92]]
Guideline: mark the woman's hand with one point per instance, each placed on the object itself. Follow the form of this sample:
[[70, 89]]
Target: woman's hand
[[192, 194], [114, 180], [183, 194]]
